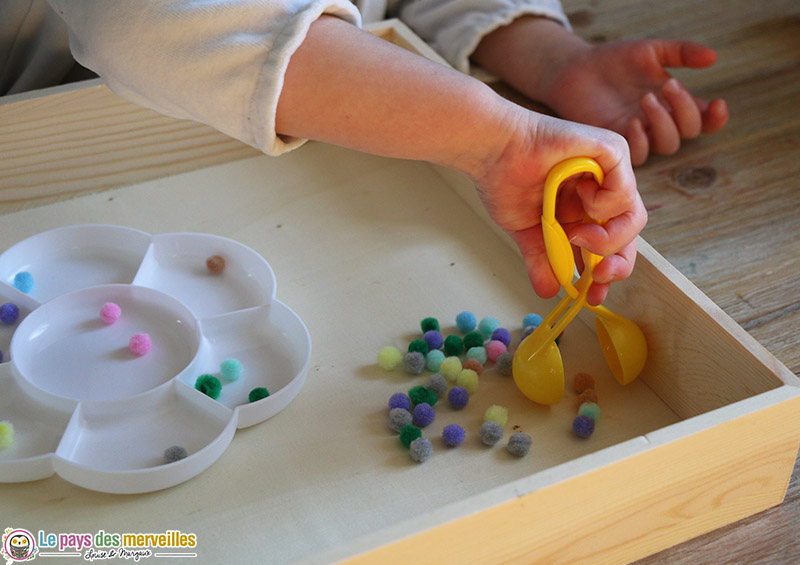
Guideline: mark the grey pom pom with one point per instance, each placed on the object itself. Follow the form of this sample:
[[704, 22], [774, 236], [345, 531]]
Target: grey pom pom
[[519, 444], [491, 433], [414, 362], [504, 363], [174, 453], [398, 418], [437, 384], [420, 449]]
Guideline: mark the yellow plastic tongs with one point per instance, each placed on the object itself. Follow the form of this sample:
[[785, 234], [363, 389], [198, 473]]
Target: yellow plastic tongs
[[537, 367]]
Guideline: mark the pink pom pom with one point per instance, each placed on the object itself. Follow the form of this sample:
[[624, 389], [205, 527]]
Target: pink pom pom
[[110, 312], [140, 344], [494, 349]]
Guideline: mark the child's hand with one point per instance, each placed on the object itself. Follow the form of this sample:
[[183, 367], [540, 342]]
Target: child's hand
[[511, 189], [623, 86]]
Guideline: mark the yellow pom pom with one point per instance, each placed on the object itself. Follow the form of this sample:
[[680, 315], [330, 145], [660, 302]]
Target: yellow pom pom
[[468, 379], [497, 414], [6, 434], [450, 368], [389, 357]]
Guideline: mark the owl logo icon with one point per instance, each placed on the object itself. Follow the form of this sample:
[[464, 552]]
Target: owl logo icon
[[18, 545]]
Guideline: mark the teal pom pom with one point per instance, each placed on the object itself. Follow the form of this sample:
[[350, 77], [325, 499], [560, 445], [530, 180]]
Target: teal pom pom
[[418, 345], [420, 394], [477, 353], [453, 345], [208, 385], [433, 360], [429, 324], [23, 281], [230, 369], [488, 325], [257, 394], [473, 339]]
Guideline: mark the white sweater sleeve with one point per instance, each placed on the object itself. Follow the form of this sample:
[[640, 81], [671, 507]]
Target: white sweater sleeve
[[455, 27], [220, 63]]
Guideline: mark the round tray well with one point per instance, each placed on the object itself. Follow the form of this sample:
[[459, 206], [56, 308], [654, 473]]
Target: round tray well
[[75, 257]]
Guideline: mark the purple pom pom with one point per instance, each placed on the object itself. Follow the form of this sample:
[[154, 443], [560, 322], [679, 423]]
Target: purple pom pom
[[434, 339], [583, 426], [9, 313], [501, 334], [458, 397], [424, 415], [399, 400], [453, 435]]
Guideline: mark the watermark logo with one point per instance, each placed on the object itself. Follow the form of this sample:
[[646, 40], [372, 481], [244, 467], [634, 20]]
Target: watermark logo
[[18, 545]]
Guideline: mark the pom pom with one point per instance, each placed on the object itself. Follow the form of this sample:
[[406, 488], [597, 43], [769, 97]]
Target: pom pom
[[428, 324], [468, 379], [174, 453], [215, 264], [526, 331], [399, 400], [419, 345], [458, 397], [531, 320], [230, 369], [473, 364], [414, 362], [583, 426], [496, 413], [399, 418], [409, 433], [502, 335], [9, 313], [453, 435], [494, 349], [110, 313], [433, 360], [487, 325], [450, 368], [6, 434], [434, 339], [420, 449], [208, 385], [583, 381], [588, 395], [505, 363], [590, 409], [419, 395], [23, 281], [466, 322], [473, 339], [478, 353], [140, 344], [437, 384], [389, 357], [491, 433], [519, 444], [424, 415], [453, 345], [257, 394]]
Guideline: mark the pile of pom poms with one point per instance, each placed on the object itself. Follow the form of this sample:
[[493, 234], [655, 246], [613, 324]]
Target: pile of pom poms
[[230, 370], [588, 409]]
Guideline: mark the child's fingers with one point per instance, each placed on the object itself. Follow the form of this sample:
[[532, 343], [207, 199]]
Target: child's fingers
[[612, 236], [715, 116], [612, 268], [685, 111], [664, 136], [637, 141], [531, 244], [683, 54]]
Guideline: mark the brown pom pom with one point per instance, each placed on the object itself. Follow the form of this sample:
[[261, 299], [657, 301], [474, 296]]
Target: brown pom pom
[[583, 381], [588, 395], [215, 264], [473, 364]]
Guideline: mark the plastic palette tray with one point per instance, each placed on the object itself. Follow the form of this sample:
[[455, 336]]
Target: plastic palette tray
[[83, 406]]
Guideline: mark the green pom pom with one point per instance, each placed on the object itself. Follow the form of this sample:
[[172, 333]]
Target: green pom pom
[[230, 369], [409, 433], [257, 394], [453, 345], [429, 324], [473, 339], [419, 345], [590, 409], [208, 385], [420, 394], [6, 434]]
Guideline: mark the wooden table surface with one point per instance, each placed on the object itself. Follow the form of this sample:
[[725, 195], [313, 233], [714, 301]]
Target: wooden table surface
[[726, 209]]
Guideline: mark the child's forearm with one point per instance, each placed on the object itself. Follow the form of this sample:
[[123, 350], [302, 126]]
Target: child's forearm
[[347, 87]]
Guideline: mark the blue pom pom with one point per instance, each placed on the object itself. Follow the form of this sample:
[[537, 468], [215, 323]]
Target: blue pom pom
[[453, 435], [9, 313], [434, 339], [423, 414], [531, 320], [23, 281], [458, 397], [400, 400], [503, 335], [488, 325], [466, 322], [583, 426]]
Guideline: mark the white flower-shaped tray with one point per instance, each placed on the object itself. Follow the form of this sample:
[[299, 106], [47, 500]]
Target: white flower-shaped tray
[[83, 406]]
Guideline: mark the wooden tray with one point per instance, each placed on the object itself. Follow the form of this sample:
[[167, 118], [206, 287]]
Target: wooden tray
[[363, 248]]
